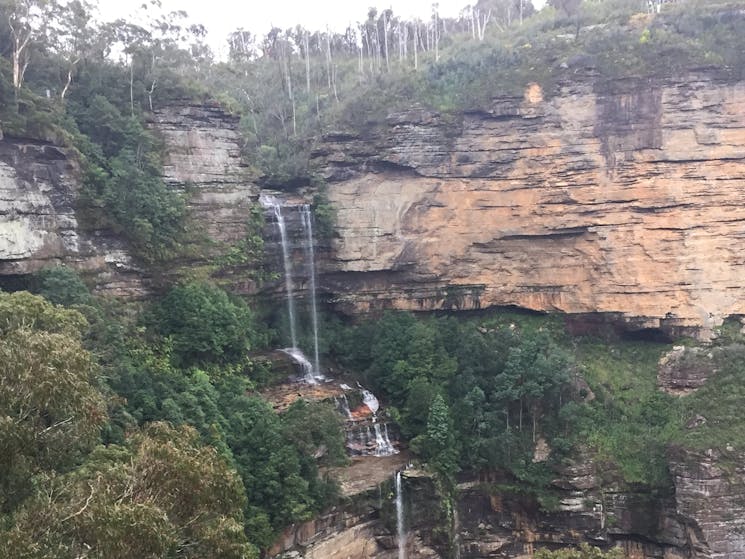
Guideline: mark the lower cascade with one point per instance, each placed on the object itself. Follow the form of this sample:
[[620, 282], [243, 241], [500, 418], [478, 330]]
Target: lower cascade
[[309, 375], [367, 433], [383, 444], [400, 516]]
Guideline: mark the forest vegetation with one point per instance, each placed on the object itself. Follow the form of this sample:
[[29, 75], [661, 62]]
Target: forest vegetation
[[136, 429]]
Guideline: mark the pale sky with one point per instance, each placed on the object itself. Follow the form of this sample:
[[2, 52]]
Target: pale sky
[[220, 17]]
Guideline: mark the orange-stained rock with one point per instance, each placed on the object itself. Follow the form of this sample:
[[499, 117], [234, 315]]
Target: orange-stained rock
[[625, 198]]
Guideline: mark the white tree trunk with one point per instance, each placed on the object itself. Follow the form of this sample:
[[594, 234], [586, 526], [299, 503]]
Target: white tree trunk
[[416, 45], [333, 81], [307, 64], [131, 85], [483, 21], [385, 42], [20, 43], [328, 57]]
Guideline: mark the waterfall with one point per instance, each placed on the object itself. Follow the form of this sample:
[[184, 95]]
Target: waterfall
[[310, 256], [311, 372], [305, 365], [369, 399], [400, 516], [344, 405], [288, 270], [383, 446], [373, 439]]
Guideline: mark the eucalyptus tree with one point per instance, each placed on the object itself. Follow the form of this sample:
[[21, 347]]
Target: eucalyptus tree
[[27, 22], [70, 37]]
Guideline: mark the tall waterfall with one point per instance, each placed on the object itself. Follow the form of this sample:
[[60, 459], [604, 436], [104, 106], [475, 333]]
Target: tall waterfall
[[311, 371], [400, 516], [310, 257], [288, 270]]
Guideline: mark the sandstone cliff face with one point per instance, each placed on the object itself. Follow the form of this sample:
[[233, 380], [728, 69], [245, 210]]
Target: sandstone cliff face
[[203, 158], [491, 523], [364, 526], [710, 490], [38, 226], [39, 186], [625, 199], [685, 369]]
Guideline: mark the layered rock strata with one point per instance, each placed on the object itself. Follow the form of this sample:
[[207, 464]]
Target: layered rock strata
[[40, 184], [623, 198], [685, 369], [364, 526], [39, 187], [491, 522], [202, 158], [710, 497]]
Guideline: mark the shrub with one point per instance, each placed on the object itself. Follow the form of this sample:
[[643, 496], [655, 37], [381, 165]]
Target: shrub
[[61, 286], [204, 323]]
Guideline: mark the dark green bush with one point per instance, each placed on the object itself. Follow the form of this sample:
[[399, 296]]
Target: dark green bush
[[61, 286], [205, 324]]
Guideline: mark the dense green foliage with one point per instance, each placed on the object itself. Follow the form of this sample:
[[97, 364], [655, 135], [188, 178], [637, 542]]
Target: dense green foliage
[[502, 383], [511, 379], [51, 411], [719, 402], [161, 495], [148, 367], [324, 214], [62, 497], [191, 368], [204, 324], [439, 448], [61, 286], [597, 397], [630, 422], [122, 164], [249, 251]]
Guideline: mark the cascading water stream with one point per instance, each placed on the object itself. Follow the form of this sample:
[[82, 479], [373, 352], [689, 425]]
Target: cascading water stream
[[369, 399], [307, 219], [288, 270], [344, 405], [383, 446], [305, 365], [311, 372], [400, 516]]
